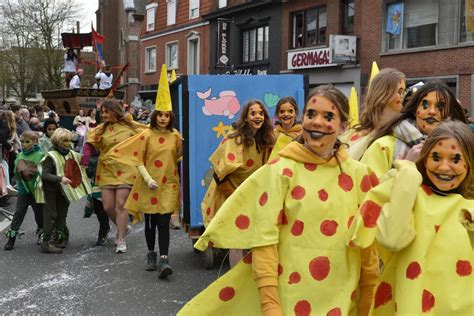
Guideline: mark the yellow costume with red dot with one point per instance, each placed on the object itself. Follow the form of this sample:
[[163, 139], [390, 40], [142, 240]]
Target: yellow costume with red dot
[[430, 267], [109, 171], [303, 205], [232, 164], [157, 151], [379, 155]]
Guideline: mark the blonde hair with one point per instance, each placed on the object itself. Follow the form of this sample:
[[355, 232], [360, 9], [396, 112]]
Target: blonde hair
[[9, 118], [31, 135], [60, 135]]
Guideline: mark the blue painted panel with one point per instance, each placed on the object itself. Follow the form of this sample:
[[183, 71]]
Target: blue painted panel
[[214, 103]]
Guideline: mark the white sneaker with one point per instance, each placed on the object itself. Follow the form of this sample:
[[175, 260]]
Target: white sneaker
[[121, 246], [127, 232]]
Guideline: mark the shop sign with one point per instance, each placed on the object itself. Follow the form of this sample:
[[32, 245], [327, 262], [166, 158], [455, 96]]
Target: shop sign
[[310, 58], [223, 42]]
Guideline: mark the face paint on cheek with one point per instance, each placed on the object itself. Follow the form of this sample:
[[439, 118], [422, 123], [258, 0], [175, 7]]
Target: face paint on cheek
[[322, 145], [329, 128], [453, 147]]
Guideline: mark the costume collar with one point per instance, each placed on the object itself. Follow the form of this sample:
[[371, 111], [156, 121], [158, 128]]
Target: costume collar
[[298, 152], [294, 129]]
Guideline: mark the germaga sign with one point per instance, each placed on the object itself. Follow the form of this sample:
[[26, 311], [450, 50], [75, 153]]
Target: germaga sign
[[310, 58]]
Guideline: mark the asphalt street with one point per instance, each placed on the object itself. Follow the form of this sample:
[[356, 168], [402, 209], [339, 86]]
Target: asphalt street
[[90, 280]]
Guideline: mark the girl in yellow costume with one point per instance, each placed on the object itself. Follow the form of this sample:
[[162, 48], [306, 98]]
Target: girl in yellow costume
[[381, 103], [416, 215], [115, 179], [244, 150], [403, 136], [156, 192], [294, 214], [287, 112]]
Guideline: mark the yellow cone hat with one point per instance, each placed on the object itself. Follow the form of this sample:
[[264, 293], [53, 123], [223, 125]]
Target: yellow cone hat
[[163, 96], [173, 76], [353, 108], [374, 71]]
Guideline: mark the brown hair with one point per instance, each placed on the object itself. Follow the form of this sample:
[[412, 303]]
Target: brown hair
[[154, 124], [243, 133], [452, 110], [284, 100], [336, 97], [381, 90], [464, 136], [115, 107]]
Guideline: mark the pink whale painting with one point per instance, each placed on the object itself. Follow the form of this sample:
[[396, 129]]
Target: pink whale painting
[[227, 104]]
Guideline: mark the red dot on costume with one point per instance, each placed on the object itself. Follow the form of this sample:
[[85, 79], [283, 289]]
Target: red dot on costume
[[319, 268], [323, 195], [158, 163], [297, 228], [250, 162], [413, 270], [427, 301], [226, 294], [349, 221], [310, 166], [161, 140], [287, 172], [119, 173], [303, 308], [280, 269], [134, 177], [142, 137], [273, 161], [463, 267], [436, 227], [208, 211], [154, 201], [355, 137], [345, 182], [135, 153], [383, 148], [231, 156], [175, 172], [370, 212], [263, 199], [135, 196], [164, 180], [383, 294], [427, 189], [328, 227], [366, 184], [298, 192], [353, 295], [334, 312], [294, 278], [248, 258], [242, 222], [282, 219], [374, 180], [116, 151], [174, 186], [97, 178], [115, 140]]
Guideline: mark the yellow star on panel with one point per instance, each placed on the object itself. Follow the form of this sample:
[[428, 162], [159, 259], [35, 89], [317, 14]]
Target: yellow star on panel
[[221, 129]]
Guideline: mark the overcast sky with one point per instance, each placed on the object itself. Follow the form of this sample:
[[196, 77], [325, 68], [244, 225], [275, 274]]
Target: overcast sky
[[88, 8]]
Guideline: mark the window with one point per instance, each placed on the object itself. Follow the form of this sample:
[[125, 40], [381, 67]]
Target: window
[[172, 55], [150, 59], [193, 54], [150, 16], [255, 44], [466, 33], [193, 9], [309, 28], [222, 4], [421, 24], [348, 20], [171, 17]]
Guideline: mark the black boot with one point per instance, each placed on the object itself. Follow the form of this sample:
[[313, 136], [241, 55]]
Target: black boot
[[11, 234], [165, 268], [47, 246], [59, 239], [103, 235], [151, 261]]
